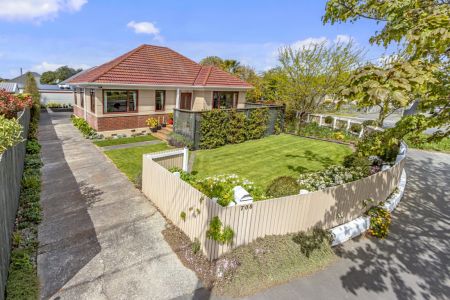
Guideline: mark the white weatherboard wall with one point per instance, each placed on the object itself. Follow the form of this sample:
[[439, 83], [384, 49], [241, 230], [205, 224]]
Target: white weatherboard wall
[[57, 97]]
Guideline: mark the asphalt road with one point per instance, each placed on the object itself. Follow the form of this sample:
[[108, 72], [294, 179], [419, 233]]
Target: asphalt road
[[412, 263]]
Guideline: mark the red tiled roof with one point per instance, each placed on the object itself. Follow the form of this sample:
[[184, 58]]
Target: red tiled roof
[[156, 65]]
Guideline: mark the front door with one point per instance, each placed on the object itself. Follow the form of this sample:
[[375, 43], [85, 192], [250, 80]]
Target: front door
[[185, 101]]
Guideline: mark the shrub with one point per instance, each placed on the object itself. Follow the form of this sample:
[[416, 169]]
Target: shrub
[[33, 147], [213, 129], [22, 280], [83, 126], [329, 120], [380, 220], [370, 123], [152, 122], [221, 188], [179, 141], [236, 130], [216, 233], [311, 241], [11, 104], [331, 176], [338, 136], [283, 186], [32, 161], [257, 123], [10, 133], [355, 160], [354, 127], [196, 246]]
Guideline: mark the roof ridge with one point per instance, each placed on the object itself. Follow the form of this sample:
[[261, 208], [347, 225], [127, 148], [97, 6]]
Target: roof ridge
[[207, 75], [124, 56]]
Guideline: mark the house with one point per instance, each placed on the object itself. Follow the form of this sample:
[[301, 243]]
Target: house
[[49, 92], [10, 87], [150, 81], [53, 93]]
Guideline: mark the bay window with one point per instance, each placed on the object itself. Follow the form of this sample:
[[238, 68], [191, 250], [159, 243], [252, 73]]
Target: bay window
[[119, 101], [160, 99], [225, 100]]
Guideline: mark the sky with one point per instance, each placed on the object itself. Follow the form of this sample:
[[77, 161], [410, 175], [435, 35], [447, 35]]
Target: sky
[[41, 35]]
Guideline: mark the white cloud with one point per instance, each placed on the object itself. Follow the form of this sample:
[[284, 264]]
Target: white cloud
[[145, 28], [309, 42], [46, 66], [343, 38], [37, 10]]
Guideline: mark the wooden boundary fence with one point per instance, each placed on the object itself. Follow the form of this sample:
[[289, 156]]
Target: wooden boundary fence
[[325, 208], [11, 168]]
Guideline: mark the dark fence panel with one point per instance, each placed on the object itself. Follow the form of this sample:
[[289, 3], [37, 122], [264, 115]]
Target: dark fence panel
[[11, 168], [187, 122]]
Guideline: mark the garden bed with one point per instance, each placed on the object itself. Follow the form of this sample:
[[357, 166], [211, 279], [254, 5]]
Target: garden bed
[[61, 109], [127, 140]]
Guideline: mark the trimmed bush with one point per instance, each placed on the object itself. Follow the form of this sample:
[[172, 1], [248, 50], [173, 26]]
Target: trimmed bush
[[10, 133], [236, 129], [283, 186], [356, 128], [213, 127], [354, 160], [257, 123], [329, 120]]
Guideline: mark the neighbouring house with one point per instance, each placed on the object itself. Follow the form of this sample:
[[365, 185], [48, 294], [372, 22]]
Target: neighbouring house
[[62, 94], [150, 81], [10, 87]]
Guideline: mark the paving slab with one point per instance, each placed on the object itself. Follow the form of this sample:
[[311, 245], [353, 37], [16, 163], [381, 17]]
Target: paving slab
[[100, 238]]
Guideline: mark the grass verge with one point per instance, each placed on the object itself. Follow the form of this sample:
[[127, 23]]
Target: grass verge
[[252, 268], [263, 160], [127, 140], [129, 160], [23, 282]]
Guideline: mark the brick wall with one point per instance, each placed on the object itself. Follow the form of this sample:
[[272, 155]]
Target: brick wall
[[128, 122], [77, 111]]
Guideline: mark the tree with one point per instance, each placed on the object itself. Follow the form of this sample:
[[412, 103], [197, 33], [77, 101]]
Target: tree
[[422, 28], [212, 61], [309, 74], [60, 74], [391, 87], [31, 88]]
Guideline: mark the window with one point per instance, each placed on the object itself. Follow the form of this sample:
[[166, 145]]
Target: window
[[75, 96], [160, 98], [92, 94], [115, 101], [82, 97], [224, 100]]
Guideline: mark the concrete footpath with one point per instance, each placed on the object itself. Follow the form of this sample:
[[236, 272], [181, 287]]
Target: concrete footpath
[[100, 238]]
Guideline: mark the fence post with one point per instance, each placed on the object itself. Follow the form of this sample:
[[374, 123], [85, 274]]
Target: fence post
[[320, 120], [361, 132], [307, 118], [334, 122], [348, 124], [185, 159]]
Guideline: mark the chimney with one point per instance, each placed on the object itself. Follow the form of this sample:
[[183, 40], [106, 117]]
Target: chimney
[[21, 73]]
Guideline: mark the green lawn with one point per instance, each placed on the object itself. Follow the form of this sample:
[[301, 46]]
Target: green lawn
[[129, 160], [127, 140], [263, 160], [442, 146]]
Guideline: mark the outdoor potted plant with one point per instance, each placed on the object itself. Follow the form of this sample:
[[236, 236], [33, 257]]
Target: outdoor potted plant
[[170, 121], [163, 123], [152, 123]]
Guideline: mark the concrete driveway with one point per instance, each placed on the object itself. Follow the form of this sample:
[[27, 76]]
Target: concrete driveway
[[412, 263], [100, 237]]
